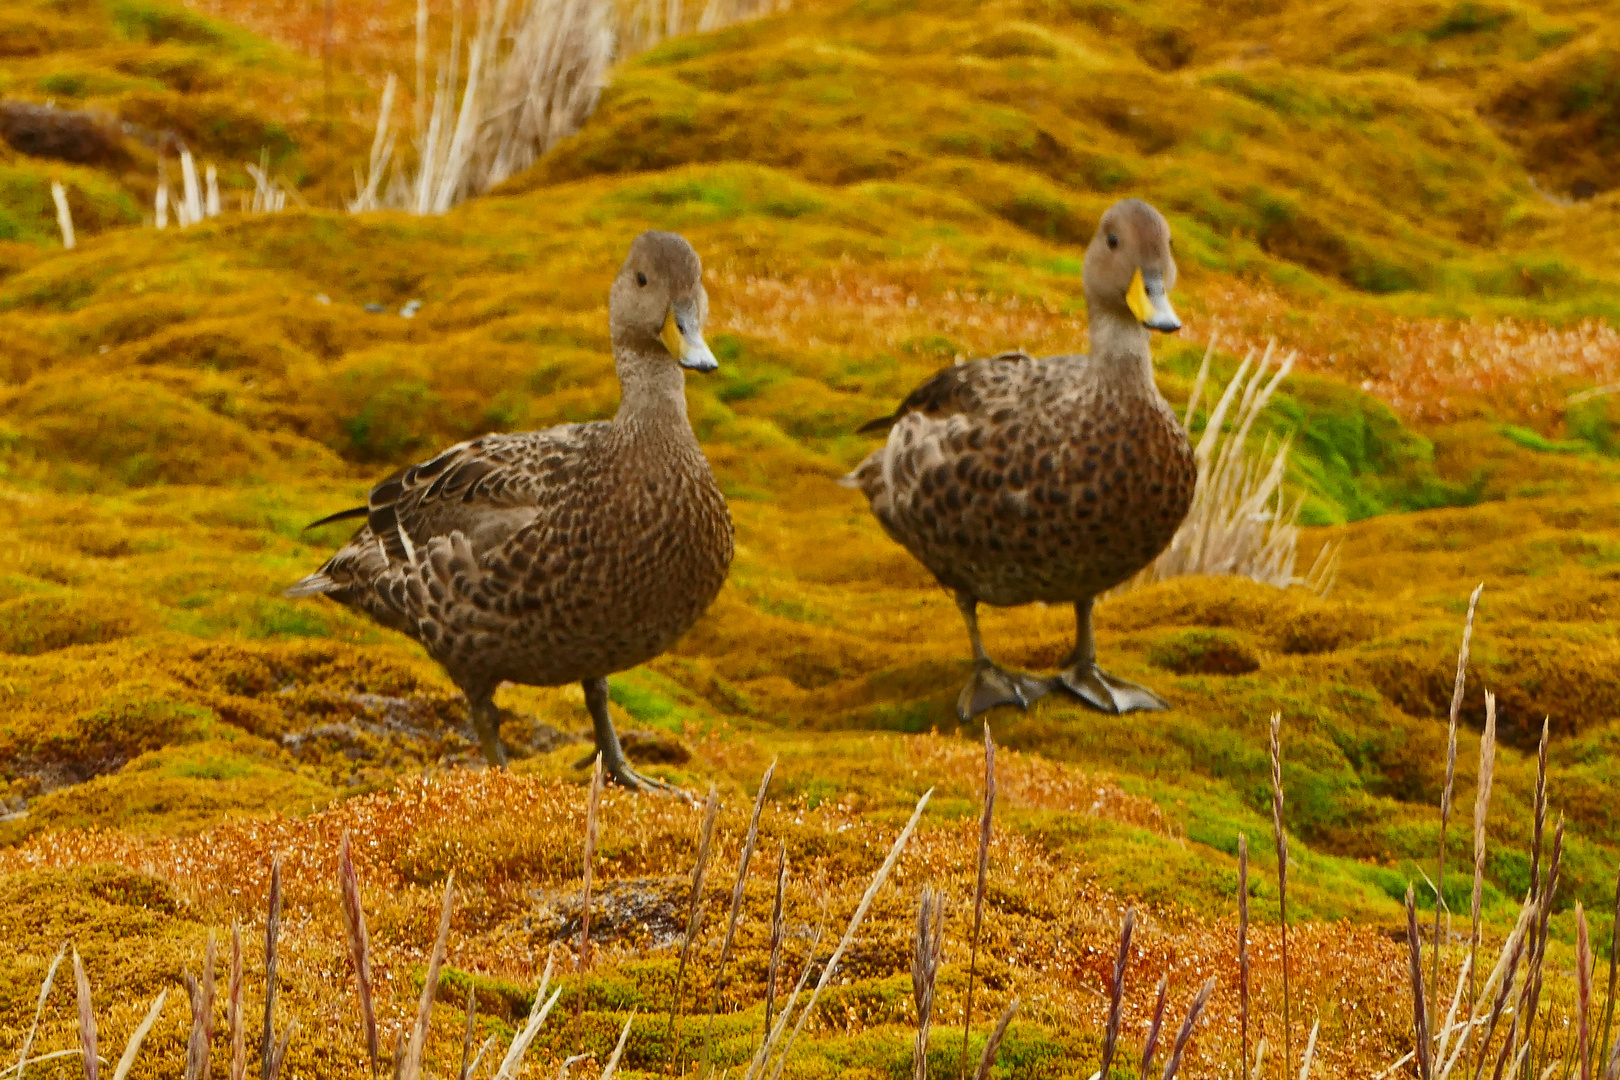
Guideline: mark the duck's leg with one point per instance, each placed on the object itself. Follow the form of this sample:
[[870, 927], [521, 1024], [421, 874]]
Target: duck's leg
[[614, 763], [990, 685], [486, 721], [1090, 683]]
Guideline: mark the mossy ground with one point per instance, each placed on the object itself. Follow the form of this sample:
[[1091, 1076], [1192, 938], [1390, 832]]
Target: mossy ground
[[876, 189]]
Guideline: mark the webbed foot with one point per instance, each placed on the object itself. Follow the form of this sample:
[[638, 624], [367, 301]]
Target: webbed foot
[[991, 686], [1105, 693]]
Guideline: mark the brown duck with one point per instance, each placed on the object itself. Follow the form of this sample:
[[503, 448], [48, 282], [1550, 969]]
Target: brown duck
[[1015, 479], [563, 555]]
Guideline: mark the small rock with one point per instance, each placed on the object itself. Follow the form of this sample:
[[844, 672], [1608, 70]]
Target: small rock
[[376, 309], [410, 309], [322, 298]]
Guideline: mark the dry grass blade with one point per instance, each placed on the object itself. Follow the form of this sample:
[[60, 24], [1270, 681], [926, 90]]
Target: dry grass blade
[[202, 1017], [930, 946], [478, 1058], [467, 1038], [1507, 966], [1540, 811], [1482, 805], [87, 1019], [1538, 962], [1613, 1071], [1116, 994], [1310, 1052], [1282, 879], [39, 1010], [992, 1045], [1450, 1025], [762, 1056], [1583, 991], [778, 933], [1451, 775], [1243, 950], [354, 930], [986, 818], [1156, 1026], [618, 1051], [855, 921], [272, 934], [592, 815], [64, 216], [537, 1016], [279, 1058], [1260, 1061], [430, 986], [1420, 1020], [133, 1047], [694, 907], [233, 1007], [1194, 1011], [742, 879]]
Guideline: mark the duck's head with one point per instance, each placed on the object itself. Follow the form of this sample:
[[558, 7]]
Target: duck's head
[[657, 305], [1129, 268]]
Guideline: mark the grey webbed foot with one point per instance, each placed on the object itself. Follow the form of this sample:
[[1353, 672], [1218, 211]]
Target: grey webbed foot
[[1105, 693], [991, 686]]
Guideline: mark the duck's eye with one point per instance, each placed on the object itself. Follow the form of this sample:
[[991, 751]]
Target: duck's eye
[[641, 279], [1113, 241]]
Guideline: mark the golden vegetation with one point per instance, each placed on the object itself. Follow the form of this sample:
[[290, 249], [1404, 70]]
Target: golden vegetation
[[876, 189]]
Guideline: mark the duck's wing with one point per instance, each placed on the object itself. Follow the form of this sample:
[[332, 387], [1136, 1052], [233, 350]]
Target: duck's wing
[[959, 388], [485, 489]]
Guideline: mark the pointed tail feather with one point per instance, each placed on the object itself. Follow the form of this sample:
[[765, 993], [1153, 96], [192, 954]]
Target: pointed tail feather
[[314, 585], [342, 515]]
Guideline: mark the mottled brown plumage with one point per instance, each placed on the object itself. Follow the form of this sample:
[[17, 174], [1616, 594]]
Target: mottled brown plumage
[[1016, 479], [562, 555]]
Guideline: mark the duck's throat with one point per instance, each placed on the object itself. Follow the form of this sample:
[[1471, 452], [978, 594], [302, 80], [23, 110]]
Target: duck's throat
[[1123, 347]]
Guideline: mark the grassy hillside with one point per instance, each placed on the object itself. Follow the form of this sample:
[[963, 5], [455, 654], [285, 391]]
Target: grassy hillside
[[876, 189]]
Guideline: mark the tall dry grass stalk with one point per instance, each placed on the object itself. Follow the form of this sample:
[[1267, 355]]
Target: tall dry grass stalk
[[411, 1069], [1116, 995], [1482, 805], [354, 931], [618, 1050], [1239, 522], [694, 908], [1282, 879], [1420, 1020], [592, 812], [925, 958], [233, 1007], [1451, 775], [201, 995], [469, 1033], [743, 860], [133, 1047], [1310, 1052], [1243, 950], [269, 1060], [64, 215], [1613, 1071], [763, 1056], [1194, 1011], [524, 1038], [982, 867], [773, 970], [1583, 991], [87, 1019], [992, 1045], [1260, 1060], [39, 1010], [1155, 1026]]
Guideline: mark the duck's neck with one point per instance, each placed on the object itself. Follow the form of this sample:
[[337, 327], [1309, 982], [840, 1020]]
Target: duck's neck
[[652, 404], [1121, 347]]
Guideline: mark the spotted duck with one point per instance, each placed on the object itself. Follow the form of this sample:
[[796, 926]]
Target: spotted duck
[[563, 555], [1015, 479]]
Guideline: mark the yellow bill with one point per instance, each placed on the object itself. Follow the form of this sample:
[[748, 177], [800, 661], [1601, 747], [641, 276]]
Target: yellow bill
[[1136, 296]]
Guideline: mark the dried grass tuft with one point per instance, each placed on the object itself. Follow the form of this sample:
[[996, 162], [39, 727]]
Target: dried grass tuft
[[1451, 775], [925, 958], [992, 1045], [39, 1010], [412, 1069], [354, 930], [1156, 1025], [982, 867], [1282, 878], [1420, 1019], [87, 1019], [1116, 994], [1194, 1011], [694, 907], [778, 933], [1238, 522]]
